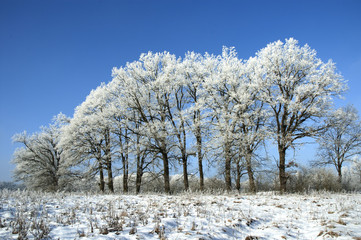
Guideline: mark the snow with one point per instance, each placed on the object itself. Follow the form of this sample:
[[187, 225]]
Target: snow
[[186, 216]]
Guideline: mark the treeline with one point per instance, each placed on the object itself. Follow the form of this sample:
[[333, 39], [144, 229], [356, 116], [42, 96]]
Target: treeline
[[11, 186], [161, 112]]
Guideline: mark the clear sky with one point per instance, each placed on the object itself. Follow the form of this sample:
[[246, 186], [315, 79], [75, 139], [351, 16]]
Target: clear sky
[[52, 53]]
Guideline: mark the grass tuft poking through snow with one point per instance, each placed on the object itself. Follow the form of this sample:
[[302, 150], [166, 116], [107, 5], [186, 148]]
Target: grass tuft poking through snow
[[35, 215]]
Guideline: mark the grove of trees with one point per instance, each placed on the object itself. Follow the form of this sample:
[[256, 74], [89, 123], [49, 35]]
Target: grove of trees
[[161, 113]]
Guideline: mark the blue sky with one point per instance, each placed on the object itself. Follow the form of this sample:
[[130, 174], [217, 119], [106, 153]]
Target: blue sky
[[52, 53]]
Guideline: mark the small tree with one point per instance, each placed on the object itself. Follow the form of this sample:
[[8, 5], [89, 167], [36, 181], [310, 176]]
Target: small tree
[[356, 169], [40, 162], [341, 142]]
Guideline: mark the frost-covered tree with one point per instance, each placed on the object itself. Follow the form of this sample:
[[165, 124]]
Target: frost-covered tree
[[115, 113], [298, 88], [146, 86], [126, 125], [177, 106], [87, 138], [238, 113], [193, 70], [222, 108], [356, 168], [341, 141], [40, 163], [251, 117]]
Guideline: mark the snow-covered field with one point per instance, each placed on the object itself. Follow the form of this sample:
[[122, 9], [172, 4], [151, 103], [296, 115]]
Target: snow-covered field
[[189, 216]]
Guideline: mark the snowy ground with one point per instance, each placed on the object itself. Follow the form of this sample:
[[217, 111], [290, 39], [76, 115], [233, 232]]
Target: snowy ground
[[187, 216]]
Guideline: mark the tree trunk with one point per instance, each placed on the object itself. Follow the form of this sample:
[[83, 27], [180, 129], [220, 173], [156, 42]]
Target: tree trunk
[[166, 173], [108, 161], [138, 180], [124, 156], [200, 158], [140, 163], [339, 172], [185, 173], [252, 185], [101, 178], [282, 168], [56, 167], [183, 147], [125, 174], [55, 183], [110, 176], [227, 152], [238, 176]]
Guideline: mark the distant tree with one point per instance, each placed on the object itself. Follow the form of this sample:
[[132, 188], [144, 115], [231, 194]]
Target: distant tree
[[356, 168], [341, 141], [40, 163], [298, 88], [11, 186]]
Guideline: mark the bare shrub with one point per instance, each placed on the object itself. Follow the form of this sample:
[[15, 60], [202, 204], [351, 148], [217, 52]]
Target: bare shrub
[[40, 229], [20, 225]]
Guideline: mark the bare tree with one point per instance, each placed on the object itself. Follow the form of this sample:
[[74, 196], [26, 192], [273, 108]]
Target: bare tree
[[341, 141]]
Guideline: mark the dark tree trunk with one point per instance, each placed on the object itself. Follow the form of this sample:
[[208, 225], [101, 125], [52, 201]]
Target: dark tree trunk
[[198, 135], [101, 178], [252, 185], [339, 172], [200, 158], [166, 172], [282, 168], [55, 182], [56, 168], [227, 152], [140, 163], [124, 157], [185, 173], [125, 174], [238, 176], [108, 161], [110, 176], [184, 159], [138, 181]]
